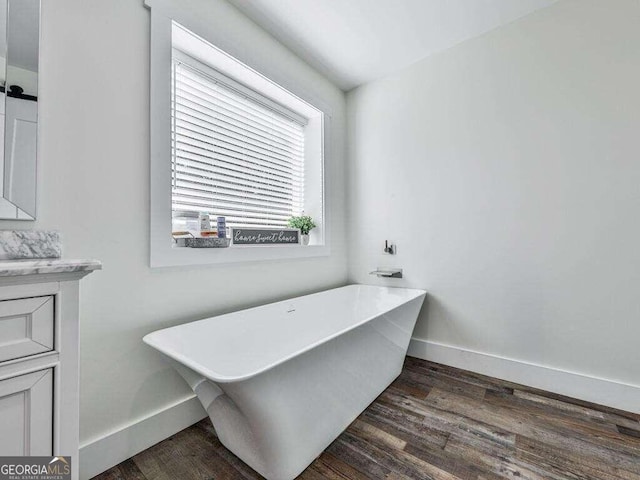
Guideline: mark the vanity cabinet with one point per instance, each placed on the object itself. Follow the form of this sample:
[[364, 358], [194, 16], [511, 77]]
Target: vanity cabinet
[[39, 361]]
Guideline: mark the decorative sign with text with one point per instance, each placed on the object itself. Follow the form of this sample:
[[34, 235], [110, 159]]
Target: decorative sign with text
[[265, 236]]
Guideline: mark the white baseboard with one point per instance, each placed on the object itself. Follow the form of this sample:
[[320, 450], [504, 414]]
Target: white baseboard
[[103, 453], [601, 391]]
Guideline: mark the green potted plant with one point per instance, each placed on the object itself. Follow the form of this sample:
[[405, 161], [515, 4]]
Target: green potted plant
[[305, 224]]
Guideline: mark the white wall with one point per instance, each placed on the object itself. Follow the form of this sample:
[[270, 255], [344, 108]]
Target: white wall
[[507, 170], [94, 187]]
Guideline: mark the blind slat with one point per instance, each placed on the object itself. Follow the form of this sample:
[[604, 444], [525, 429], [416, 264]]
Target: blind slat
[[186, 111], [188, 118], [222, 192], [235, 114], [224, 157], [192, 125], [230, 210], [230, 97], [222, 142], [235, 174]]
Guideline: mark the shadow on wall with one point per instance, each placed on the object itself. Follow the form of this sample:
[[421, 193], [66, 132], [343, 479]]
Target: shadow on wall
[[436, 313]]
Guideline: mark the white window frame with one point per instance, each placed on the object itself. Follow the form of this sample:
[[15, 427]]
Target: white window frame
[[163, 253]]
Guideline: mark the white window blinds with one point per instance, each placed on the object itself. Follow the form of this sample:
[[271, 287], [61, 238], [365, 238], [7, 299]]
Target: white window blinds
[[233, 155]]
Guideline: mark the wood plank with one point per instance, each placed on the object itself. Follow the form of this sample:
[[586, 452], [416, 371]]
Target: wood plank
[[311, 473], [448, 384], [367, 431], [593, 413], [473, 378], [491, 457], [630, 432], [362, 460], [333, 468], [189, 454], [595, 432], [398, 461], [127, 470], [568, 463], [411, 387], [446, 373], [529, 426], [411, 432], [454, 465], [441, 420], [586, 418]]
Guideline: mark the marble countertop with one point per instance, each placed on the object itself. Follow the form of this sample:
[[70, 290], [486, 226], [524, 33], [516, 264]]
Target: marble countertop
[[12, 268]]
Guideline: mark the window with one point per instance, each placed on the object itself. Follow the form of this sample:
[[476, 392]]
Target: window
[[228, 141], [234, 154]]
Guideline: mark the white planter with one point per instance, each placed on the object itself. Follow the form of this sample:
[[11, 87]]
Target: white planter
[[305, 239]]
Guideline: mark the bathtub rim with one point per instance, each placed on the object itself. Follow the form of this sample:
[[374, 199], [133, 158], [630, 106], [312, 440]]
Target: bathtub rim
[[222, 379]]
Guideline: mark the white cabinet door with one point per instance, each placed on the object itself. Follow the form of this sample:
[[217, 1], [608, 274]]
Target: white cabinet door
[[26, 414]]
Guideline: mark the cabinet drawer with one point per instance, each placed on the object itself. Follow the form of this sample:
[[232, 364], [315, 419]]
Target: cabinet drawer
[[26, 327], [26, 414]]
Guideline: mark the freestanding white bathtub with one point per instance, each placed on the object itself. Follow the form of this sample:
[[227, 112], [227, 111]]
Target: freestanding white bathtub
[[282, 381]]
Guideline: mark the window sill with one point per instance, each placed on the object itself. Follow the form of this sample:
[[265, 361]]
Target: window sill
[[183, 256]]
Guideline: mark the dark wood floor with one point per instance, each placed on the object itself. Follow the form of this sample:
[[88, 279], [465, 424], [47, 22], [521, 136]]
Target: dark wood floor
[[435, 422]]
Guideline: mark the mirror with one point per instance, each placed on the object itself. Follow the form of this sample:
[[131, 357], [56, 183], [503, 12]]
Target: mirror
[[19, 45]]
